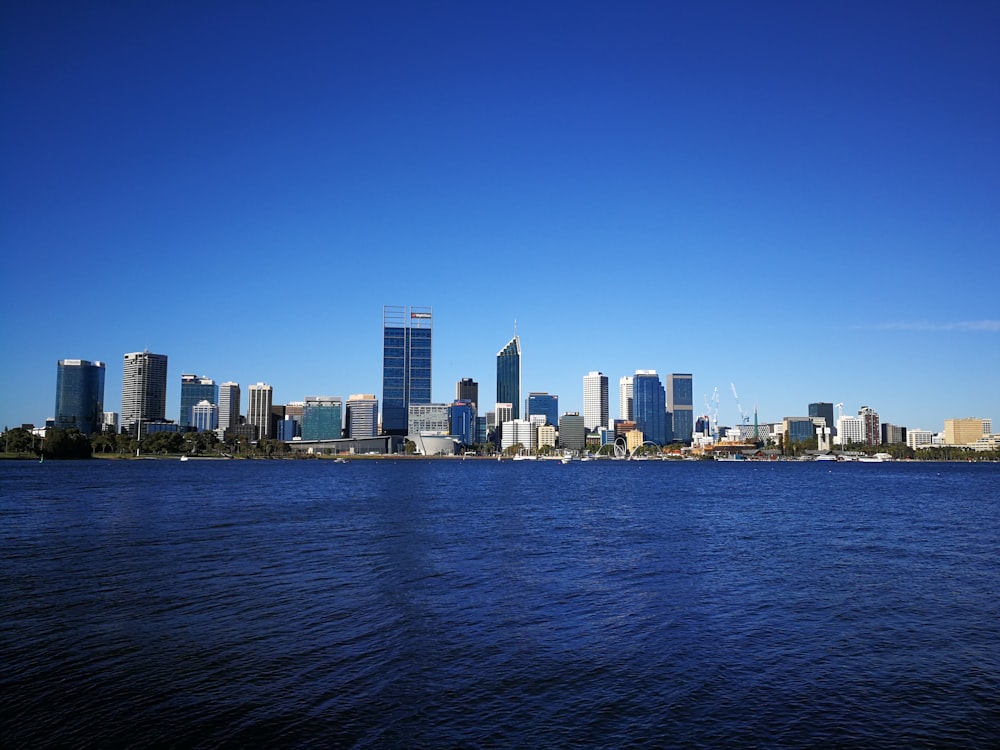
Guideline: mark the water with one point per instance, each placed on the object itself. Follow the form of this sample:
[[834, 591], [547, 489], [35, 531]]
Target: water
[[475, 604]]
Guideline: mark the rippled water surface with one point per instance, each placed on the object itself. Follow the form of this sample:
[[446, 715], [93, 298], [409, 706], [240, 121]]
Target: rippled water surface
[[478, 604]]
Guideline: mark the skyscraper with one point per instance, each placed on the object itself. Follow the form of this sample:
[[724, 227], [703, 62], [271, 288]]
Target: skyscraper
[[545, 405], [467, 389], [625, 398], [509, 376], [229, 405], [680, 404], [823, 409], [872, 425], [80, 395], [649, 406], [362, 415], [595, 401], [322, 418], [406, 363], [259, 402], [194, 390], [144, 389]]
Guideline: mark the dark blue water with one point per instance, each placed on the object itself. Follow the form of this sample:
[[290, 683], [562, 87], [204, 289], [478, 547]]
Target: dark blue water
[[477, 604]]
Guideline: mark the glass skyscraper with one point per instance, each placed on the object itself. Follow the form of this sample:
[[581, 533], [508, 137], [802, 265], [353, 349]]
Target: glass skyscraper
[[509, 376], [194, 390], [680, 404], [546, 404], [80, 395], [321, 418], [649, 406], [406, 364]]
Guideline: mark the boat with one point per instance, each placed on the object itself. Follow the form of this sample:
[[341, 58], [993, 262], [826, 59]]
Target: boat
[[184, 457]]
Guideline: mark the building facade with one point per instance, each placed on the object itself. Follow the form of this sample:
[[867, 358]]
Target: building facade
[[520, 432], [467, 389], [429, 418], [649, 406], [259, 402], [204, 416], [464, 421], [965, 431], [680, 404], [823, 409], [229, 405], [509, 376], [850, 430], [144, 389], [362, 415], [595, 401], [322, 418], [798, 429], [406, 363], [80, 395], [543, 404], [872, 425], [625, 398], [572, 431], [194, 390]]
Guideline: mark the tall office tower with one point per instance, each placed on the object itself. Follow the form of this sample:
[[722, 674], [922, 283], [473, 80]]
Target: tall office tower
[[144, 389], [205, 416], [80, 395], [572, 431], [406, 363], [362, 415], [509, 376], [194, 390], [823, 409], [680, 404], [649, 406], [467, 389], [463, 421], [321, 418], [259, 402], [545, 405], [229, 405], [873, 428], [850, 430], [595, 401], [625, 398]]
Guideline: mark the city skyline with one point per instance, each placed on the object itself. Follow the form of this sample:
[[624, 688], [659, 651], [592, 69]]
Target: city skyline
[[798, 200]]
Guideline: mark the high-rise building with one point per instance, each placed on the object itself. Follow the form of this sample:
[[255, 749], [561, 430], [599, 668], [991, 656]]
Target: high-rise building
[[823, 409], [595, 401], [144, 389], [406, 363], [80, 395], [893, 434], [649, 406], [520, 432], [509, 376], [194, 390], [463, 421], [919, 439], [204, 416], [362, 415], [259, 402], [625, 398], [430, 419], [572, 431], [850, 430], [872, 426], [229, 405], [966, 431], [680, 404], [467, 389], [543, 404], [798, 429], [321, 418]]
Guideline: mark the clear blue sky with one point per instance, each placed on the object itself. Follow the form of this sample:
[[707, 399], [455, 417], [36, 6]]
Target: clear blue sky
[[799, 198]]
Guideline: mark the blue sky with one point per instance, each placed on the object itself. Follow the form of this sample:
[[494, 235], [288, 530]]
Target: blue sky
[[802, 199]]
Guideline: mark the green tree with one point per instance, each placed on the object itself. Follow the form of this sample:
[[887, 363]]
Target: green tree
[[66, 444]]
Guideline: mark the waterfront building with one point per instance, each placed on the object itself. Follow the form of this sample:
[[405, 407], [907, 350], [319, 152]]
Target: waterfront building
[[966, 431], [893, 434], [80, 395], [259, 403], [595, 401], [321, 418], [463, 421], [362, 415], [467, 389], [429, 418], [572, 431], [503, 414], [798, 429], [229, 405], [109, 422], [546, 436], [680, 405], [482, 429], [543, 404], [288, 429], [621, 427], [194, 390], [144, 389], [872, 426], [649, 406], [509, 376], [850, 430], [823, 409], [519, 432], [919, 439], [406, 363], [625, 398], [204, 416]]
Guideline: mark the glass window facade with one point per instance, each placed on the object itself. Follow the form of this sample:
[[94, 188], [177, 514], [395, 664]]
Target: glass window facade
[[545, 405], [194, 390], [80, 395], [406, 364], [321, 419], [509, 376], [649, 407]]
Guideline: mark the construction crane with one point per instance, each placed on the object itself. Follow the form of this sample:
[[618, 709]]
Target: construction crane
[[744, 417], [713, 415]]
